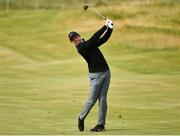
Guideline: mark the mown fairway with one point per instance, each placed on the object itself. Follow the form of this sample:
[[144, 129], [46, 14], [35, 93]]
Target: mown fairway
[[44, 83]]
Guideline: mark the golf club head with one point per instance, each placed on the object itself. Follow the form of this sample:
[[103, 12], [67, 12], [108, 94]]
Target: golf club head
[[86, 7]]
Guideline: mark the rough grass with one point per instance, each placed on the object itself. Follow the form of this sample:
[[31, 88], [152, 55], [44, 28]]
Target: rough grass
[[43, 81]]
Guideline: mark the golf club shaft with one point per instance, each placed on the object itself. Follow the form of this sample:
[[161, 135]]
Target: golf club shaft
[[98, 12]]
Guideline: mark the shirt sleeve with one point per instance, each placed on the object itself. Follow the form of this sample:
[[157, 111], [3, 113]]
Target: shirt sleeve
[[97, 35], [104, 38], [96, 40]]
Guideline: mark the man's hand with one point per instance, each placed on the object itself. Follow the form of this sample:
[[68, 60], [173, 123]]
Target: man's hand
[[109, 23]]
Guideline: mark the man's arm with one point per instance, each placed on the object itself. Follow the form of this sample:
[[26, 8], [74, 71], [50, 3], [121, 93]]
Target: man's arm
[[97, 35], [104, 38], [96, 39]]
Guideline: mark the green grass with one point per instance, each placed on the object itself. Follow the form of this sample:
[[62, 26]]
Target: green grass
[[44, 83]]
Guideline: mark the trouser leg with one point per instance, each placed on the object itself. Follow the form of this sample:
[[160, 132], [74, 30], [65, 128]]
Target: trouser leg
[[95, 85], [103, 98]]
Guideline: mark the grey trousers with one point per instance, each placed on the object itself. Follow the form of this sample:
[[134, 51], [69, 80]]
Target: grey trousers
[[99, 84]]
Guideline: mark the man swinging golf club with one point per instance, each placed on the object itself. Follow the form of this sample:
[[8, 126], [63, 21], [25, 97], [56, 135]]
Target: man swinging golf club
[[99, 73]]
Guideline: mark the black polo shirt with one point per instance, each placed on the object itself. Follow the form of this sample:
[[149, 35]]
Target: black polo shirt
[[90, 51]]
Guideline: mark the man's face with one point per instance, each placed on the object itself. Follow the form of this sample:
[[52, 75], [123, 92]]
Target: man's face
[[76, 40]]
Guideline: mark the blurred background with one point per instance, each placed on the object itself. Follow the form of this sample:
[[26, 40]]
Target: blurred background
[[43, 80]]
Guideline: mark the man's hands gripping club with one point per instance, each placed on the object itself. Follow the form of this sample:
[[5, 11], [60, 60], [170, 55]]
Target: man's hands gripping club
[[109, 23]]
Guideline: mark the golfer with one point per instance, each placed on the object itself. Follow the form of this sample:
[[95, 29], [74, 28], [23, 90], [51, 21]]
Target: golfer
[[99, 73]]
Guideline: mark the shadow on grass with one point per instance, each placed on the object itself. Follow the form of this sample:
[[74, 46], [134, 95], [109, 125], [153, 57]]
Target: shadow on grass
[[118, 129]]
